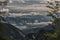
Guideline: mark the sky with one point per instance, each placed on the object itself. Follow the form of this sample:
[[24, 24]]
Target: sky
[[26, 0], [33, 0]]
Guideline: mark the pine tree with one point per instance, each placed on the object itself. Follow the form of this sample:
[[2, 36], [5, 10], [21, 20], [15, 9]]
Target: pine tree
[[54, 8]]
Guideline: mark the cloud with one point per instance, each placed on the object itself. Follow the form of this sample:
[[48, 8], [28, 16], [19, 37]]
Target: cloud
[[19, 0], [10, 1], [24, 1]]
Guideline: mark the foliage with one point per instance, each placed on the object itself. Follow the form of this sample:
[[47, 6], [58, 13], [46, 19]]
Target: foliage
[[2, 36], [56, 23], [53, 8]]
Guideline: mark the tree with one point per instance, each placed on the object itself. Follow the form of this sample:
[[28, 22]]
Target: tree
[[54, 8], [2, 36]]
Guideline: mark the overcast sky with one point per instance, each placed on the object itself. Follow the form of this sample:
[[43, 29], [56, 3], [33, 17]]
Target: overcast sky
[[28, 0], [23, 0]]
